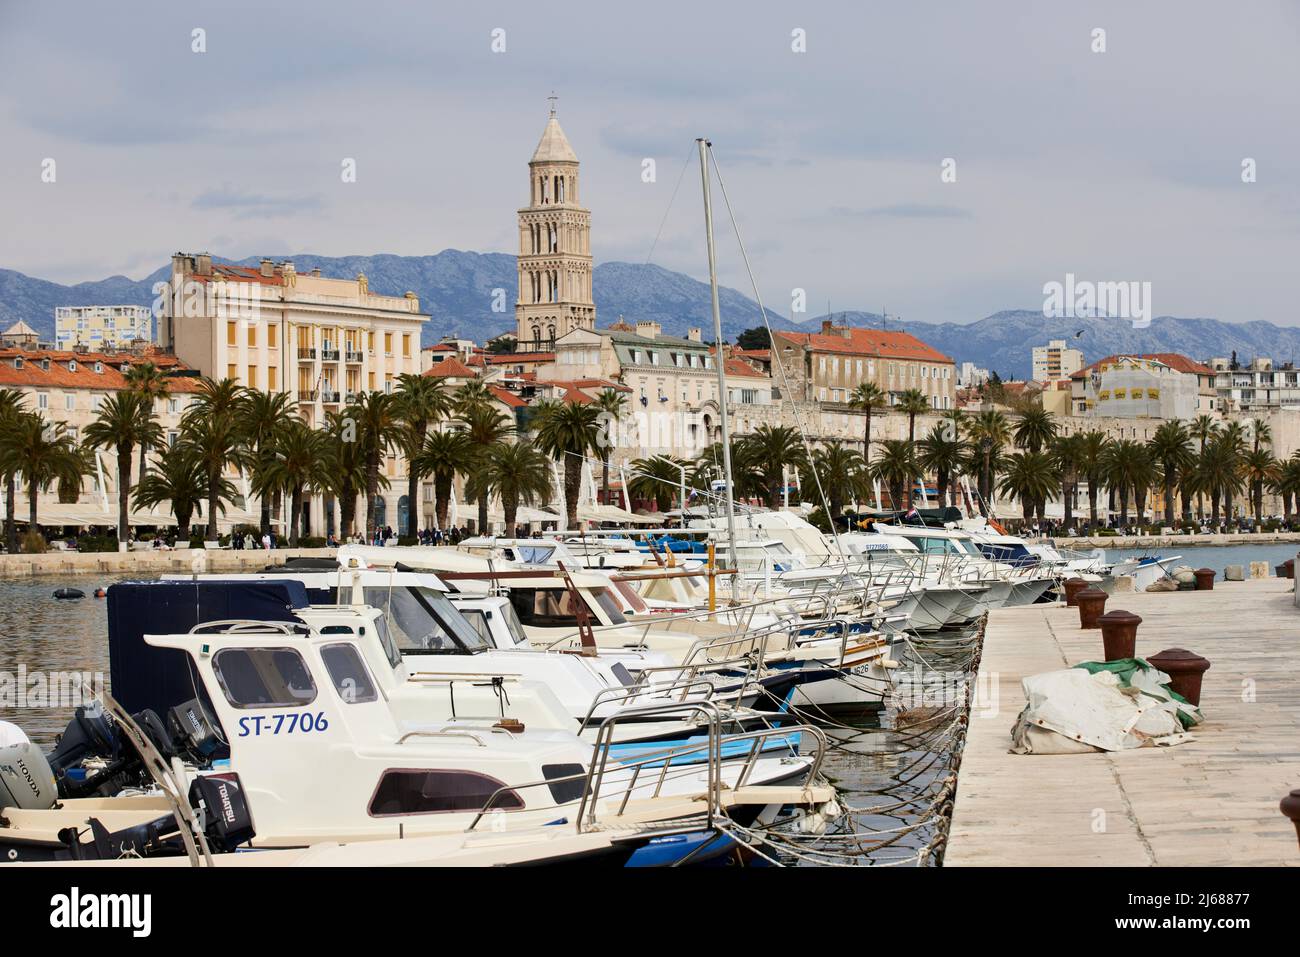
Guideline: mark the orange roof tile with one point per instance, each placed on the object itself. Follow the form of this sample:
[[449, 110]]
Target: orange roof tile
[[1175, 361], [451, 368], [867, 342], [507, 397], [109, 378]]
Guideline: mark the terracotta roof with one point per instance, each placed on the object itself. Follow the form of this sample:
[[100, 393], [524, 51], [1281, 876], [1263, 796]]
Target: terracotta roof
[[238, 274], [109, 379], [505, 358], [507, 397], [867, 342], [577, 397], [741, 367], [452, 368], [1175, 361], [753, 353]]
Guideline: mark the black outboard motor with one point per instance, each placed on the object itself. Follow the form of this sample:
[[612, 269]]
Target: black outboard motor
[[193, 728], [226, 819], [90, 733]]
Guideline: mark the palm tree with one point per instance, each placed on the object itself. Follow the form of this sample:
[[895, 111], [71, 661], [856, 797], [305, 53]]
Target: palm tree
[[301, 459], [349, 473], [839, 473], [1171, 447], [868, 397], [1217, 472], [265, 417], [444, 456], [43, 453], [613, 404], [769, 450], [179, 480], [657, 478], [472, 393], [1258, 468], [125, 420], [11, 404], [148, 380], [1233, 438], [213, 428], [941, 452], [1128, 467], [486, 427], [1287, 484], [421, 401], [519, 475], [1035, 428], [378, 431], [1092, 458], [1032, 477], [989, 431], [568, 431], [1202, 429], [895, 466], [1067, 453], [912, 403]]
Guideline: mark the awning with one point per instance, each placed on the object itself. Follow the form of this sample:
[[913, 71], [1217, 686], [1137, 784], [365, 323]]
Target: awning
[[54, 512]]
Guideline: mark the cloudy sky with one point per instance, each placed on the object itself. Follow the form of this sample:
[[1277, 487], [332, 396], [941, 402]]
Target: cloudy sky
[[1116, 165]]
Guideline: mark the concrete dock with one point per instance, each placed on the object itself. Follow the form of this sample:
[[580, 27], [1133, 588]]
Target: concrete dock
[[1211, 801]]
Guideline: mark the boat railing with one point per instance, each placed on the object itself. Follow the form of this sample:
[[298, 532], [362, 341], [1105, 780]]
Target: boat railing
[[747, 747], [237, 626], [685, 689], [799, 636]]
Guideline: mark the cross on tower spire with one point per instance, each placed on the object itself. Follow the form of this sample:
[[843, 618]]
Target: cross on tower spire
[[552, 98]]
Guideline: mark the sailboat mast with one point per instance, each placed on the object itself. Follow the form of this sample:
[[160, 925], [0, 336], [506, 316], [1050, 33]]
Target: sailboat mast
[[720, 365]]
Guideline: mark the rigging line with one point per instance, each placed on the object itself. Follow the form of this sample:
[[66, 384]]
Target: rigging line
[[671, 199], [777, 361]]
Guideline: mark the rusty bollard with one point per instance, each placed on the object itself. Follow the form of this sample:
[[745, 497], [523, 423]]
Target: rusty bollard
[[1119, 634], [1184, 669], [1072, 588], [1204, 579], [1286, 569], [1291, 808], [1091, 603]]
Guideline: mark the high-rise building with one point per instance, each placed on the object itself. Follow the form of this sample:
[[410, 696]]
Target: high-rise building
[[1056, 361], [554, 248]]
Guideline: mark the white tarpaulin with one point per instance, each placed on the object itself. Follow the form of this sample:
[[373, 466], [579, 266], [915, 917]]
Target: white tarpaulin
[[1071, 711]]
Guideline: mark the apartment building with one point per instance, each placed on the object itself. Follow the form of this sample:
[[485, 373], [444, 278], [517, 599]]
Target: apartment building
[[324, 341], [1258, 386], [828, 366], [103, 327], [1056, 360], [68, 388]]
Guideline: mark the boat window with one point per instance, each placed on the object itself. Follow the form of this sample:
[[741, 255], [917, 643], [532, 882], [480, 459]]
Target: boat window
[[543, 607], [534, 554], [478, 620], [630, 596], [566, 782], [263, 677], [423, 620], [609, 606], [349, 674], [416, 791]]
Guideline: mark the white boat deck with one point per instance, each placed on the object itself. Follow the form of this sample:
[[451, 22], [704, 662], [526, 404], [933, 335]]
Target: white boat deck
[[1211, 801]]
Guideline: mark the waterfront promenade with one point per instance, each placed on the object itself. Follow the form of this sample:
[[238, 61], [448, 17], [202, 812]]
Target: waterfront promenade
[[1178, 541], [1211, 801], [22, 565]]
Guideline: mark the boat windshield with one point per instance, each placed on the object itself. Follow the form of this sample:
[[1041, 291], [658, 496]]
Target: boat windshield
[[422, 620]]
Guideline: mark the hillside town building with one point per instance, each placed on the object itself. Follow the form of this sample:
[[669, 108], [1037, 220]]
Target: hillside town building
[[103, 327]]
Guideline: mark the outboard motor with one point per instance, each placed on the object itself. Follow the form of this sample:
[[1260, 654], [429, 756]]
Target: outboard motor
[[26, 780], [226, 819], [90, 733], [193, 728]]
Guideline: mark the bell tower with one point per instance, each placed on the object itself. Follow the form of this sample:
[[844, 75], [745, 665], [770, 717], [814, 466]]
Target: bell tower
[[554, 247]]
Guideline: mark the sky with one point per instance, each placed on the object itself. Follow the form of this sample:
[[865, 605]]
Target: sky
[[1117, 165]]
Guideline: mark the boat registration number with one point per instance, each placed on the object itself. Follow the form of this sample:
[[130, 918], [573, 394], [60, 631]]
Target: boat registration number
[[303, 722]]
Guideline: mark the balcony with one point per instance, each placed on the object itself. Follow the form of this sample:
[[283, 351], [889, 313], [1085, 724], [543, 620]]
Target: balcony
[[330, 396], [351, 355], [306, 353], [329, 354], [351, 396], [306, 395]]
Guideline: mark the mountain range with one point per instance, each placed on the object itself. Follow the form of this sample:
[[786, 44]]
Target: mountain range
[[457, 290]]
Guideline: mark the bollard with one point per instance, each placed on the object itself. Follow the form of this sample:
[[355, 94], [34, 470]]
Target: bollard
[[1119, 634], [1290, 806], [1091, 602], [1286, 569], [1185, 669], [1072, 588], [1204, 579]]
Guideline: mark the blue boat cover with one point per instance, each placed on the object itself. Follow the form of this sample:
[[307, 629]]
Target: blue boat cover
[[143, 676]]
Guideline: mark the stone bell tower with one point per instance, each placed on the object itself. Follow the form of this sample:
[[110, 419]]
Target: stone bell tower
[[554, 247]]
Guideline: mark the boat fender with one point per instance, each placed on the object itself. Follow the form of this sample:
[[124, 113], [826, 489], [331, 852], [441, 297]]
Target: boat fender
[[101, 592], [68, 594]]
